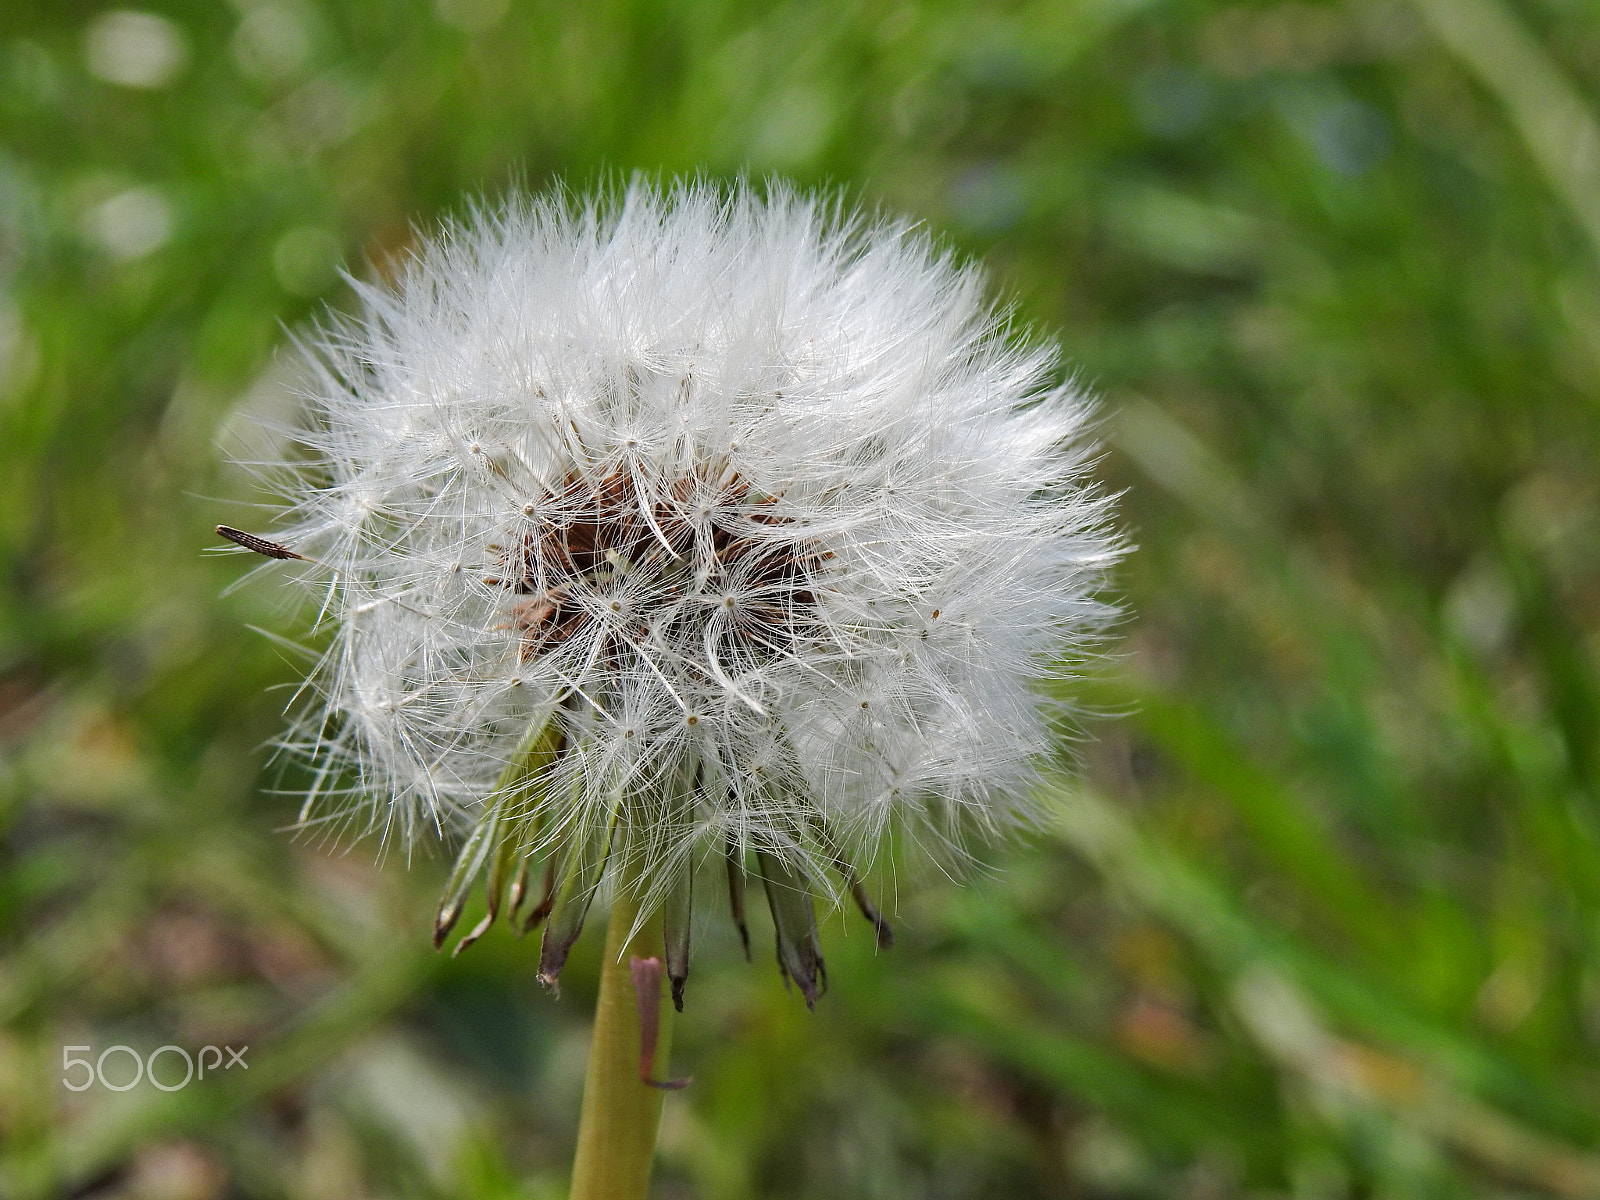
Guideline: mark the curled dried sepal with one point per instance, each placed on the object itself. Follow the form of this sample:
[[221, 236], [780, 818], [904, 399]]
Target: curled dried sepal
[[506, 861], [676, 911], [501, 838], [852, 880], [576, 865], [519, 893], [468, 865], [736, 894], [794, 919], [477, 931], [572, 900], [547, 897], [646, 976], [880, 923]]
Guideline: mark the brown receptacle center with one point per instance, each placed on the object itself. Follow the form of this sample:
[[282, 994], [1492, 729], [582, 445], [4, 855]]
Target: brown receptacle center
[[699, 535]]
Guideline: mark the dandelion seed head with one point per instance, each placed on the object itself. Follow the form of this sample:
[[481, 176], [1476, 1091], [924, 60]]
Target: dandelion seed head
[[761, 505]]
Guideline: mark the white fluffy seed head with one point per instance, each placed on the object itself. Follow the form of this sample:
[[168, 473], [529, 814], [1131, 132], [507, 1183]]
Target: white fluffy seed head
[[744, 492]]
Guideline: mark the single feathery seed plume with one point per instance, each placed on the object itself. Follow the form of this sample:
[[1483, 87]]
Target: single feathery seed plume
[[691, 526]]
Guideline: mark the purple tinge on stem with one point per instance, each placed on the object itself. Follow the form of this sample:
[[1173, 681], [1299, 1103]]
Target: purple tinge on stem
[[646, 974]]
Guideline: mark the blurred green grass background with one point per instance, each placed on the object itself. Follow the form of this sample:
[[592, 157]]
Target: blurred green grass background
[[1319, 918]]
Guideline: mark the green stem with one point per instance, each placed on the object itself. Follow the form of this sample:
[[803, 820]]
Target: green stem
[[617, 1131]]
